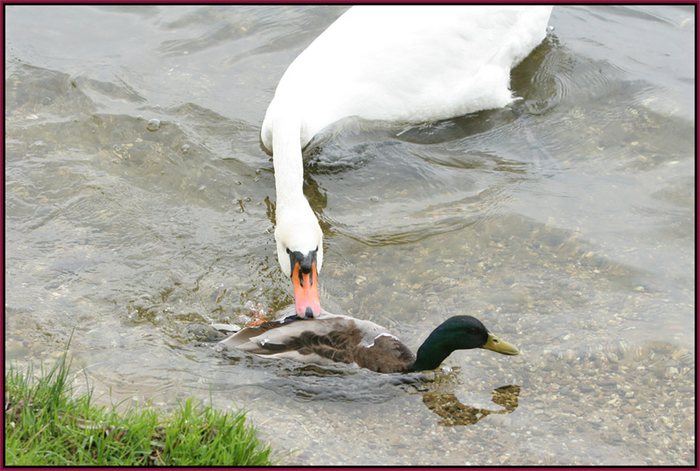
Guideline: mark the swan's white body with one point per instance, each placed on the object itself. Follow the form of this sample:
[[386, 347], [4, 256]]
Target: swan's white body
[[394, 63], [406, 63]]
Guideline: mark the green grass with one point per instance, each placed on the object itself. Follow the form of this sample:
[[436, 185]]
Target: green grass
[[44, 425]]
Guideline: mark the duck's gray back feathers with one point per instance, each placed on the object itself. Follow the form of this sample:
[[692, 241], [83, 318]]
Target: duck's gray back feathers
[[329, 338]]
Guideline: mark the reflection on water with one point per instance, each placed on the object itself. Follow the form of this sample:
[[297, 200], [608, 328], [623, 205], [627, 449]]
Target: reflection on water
[[564, 221], [453, 412], [347, 384]]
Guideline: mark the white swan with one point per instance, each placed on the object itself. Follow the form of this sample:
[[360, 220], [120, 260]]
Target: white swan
[[396, 63]]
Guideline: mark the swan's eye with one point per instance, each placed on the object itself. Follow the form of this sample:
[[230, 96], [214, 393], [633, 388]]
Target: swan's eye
[[289, 252]]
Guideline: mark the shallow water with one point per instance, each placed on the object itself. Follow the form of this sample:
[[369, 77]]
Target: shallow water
[[138, 212]]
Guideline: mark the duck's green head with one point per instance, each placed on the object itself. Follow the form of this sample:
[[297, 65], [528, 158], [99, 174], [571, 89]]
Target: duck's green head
[[458, 333]]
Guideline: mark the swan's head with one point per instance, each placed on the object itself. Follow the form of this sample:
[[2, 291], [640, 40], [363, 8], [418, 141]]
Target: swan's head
[[300, 254]]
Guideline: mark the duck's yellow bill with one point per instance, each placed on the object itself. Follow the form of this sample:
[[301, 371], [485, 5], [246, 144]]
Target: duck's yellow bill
[[500, 346]]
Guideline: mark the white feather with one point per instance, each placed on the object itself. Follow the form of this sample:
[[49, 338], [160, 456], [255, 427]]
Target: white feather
[[406, 63]]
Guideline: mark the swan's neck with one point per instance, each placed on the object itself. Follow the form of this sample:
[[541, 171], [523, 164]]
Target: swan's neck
[[288, 163]]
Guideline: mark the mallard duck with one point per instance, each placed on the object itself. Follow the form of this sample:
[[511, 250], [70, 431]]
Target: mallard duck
[[336, 338], [408, 63]]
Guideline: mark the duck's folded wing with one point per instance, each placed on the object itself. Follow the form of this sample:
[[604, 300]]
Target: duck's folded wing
[[325, 337], [241, 338], [385, 355]]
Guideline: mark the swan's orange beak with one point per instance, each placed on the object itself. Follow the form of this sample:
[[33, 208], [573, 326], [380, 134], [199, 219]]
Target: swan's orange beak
[[305, 282]]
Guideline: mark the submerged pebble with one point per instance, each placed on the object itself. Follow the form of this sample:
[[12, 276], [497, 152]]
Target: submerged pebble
[[551, 256], [226, 327], [153, 124]]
